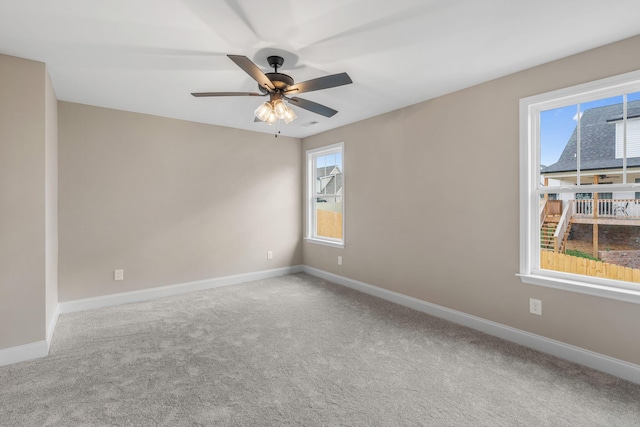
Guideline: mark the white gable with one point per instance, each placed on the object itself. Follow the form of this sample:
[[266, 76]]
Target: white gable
[[633, 138]]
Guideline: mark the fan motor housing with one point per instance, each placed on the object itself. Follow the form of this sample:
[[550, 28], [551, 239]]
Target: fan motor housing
[[279, 80]]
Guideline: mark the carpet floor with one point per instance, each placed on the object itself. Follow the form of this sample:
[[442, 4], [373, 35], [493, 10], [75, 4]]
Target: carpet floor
[[297, 351]]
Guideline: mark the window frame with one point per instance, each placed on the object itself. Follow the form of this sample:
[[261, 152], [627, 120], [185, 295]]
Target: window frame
[[530, 108], [310, 234]]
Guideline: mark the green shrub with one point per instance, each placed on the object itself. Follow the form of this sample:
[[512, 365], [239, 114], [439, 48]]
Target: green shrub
[[580, 254]]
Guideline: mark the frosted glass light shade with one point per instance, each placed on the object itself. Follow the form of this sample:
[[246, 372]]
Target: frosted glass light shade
[[289, 115], [272, 118], [271, 112], [263, 111], [279, 108]]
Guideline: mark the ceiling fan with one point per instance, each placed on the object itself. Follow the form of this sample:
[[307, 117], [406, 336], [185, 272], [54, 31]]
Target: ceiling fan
[[279, 87]]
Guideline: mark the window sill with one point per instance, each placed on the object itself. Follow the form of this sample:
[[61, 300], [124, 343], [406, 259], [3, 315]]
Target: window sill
[[620, 294], [324, 242]]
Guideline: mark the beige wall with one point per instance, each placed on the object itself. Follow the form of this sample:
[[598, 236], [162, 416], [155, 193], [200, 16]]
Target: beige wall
[[51, 199], [22, 201], [170, 201], [458, 246]]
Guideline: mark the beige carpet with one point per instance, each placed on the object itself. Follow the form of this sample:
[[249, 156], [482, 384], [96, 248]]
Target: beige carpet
[[297, 350]]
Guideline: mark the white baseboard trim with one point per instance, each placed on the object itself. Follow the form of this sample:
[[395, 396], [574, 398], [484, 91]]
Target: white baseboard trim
[[34, 350], [52, 325], [165, 291], [22, 353], [610, 365], [600, 362]]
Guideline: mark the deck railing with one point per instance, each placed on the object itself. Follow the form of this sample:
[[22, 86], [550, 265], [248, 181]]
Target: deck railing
[[543, 204], [607, 208]]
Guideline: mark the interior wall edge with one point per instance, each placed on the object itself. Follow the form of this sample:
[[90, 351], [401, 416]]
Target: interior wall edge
[[23, 134], [51, 325]]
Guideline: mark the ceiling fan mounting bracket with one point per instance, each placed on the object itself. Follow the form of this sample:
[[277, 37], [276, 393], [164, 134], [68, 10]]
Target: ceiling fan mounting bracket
[[275, 61]]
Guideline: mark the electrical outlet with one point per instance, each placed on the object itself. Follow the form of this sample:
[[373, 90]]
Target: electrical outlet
[[118, 274], [535, 306], [339, 260], [270, 255]]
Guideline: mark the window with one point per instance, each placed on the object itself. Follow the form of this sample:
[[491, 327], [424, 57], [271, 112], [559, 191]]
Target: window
[[325, 195], [575, 236]]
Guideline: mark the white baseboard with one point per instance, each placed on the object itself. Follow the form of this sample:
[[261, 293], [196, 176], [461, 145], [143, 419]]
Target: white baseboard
[[600, 362], [34, 350], [610, 365], [52, 325], [22, 353], [165, 291]]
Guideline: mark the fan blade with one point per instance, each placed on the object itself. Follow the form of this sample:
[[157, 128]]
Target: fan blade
[[253, 70], [314, 107], [199, 94], [325, 82]]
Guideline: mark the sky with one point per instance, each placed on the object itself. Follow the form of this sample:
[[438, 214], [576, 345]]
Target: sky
[[557, 125], [330, 160]]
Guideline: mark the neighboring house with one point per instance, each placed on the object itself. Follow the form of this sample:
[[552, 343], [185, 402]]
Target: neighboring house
[[328, 182], [601, 149], [601, 155]]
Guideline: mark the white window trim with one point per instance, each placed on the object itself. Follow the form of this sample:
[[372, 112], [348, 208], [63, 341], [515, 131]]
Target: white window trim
[[310, 177], [529, 204]]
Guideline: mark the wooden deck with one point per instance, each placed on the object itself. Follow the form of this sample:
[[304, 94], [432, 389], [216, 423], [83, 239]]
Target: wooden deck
[[555, 228], [579, 219]]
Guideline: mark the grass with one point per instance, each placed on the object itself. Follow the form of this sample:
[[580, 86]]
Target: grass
[[580, 254]]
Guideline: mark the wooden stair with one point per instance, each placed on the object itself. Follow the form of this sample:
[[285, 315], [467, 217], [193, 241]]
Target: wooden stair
[[547, 231], [563, 244], [546, 235]]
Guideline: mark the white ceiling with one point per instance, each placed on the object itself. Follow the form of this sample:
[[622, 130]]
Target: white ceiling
[[148, 55]]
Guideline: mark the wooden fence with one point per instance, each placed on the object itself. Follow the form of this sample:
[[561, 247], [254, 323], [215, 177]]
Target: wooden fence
[[587, 267], [329, 224]]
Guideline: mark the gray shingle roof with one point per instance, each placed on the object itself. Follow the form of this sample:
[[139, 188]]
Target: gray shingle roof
[[597, 141]]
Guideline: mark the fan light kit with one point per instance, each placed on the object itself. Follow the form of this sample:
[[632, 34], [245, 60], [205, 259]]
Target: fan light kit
[[272, 111], [278, 86]]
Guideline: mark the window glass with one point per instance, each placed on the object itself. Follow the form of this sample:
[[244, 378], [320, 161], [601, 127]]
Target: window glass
[[558, 146], [326, 172], [580, 142], [597, 135]]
